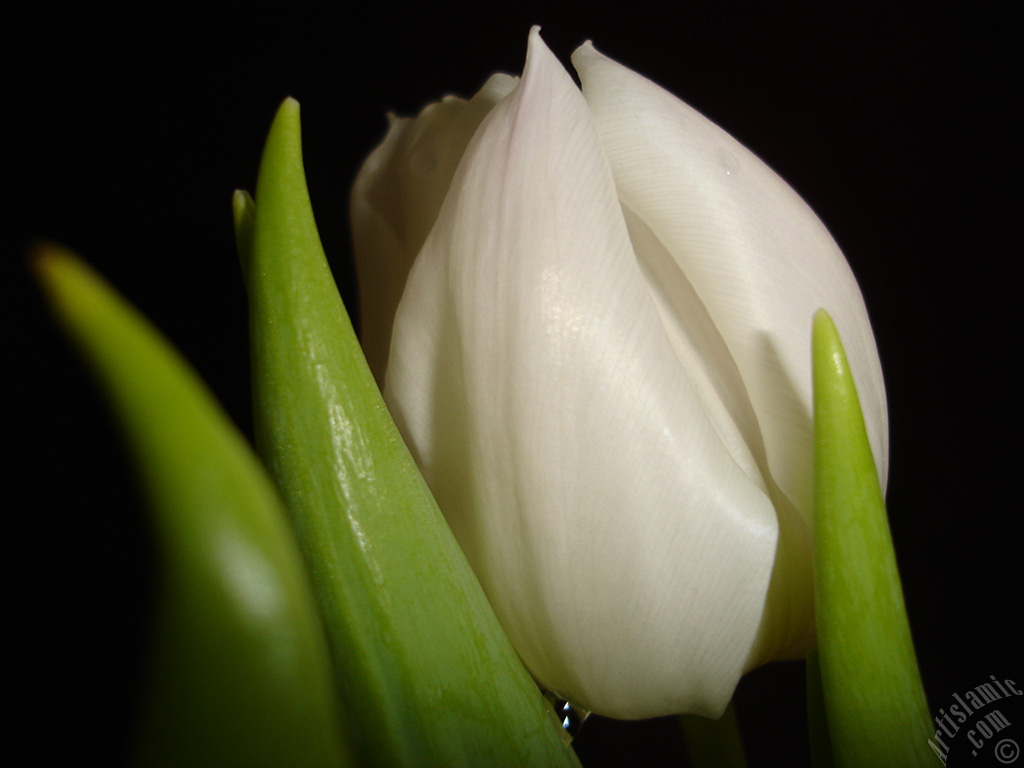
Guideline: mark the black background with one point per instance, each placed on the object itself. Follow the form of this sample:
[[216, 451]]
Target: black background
[[132, 129]]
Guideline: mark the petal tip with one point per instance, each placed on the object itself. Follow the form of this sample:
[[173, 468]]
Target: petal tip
[[585, 52], [533, 42]]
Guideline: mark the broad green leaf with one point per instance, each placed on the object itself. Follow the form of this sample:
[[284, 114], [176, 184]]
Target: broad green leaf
[[428, 675], [241, 673], [875, 705]]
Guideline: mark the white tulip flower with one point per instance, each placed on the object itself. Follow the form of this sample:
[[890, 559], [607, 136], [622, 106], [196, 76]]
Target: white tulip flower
[[600, 359]]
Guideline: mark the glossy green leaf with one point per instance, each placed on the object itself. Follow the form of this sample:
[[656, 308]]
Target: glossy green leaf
[[875, 705], [241, 673], [428, 674]]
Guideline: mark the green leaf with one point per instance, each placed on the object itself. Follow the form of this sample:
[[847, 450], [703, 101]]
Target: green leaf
[[241, 670], [428, 674], [875, 705]]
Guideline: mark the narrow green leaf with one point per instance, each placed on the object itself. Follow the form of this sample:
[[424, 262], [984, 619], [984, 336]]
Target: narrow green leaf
[[428, 674], [875, 704], [241, 670]]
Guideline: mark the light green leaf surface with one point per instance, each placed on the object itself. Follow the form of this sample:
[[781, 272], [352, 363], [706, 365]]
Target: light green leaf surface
[[428, 675], [241, 673], [874, 701]]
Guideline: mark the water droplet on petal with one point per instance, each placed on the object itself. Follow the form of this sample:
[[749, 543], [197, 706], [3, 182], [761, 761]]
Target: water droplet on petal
[[569, 716], [729, 163]]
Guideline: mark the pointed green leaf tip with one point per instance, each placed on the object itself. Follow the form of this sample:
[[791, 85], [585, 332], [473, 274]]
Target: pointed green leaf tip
[[875, 706], [243, 210], [241, 671], [429, 677]]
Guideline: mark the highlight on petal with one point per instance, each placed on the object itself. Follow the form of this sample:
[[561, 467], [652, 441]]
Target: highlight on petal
[[756, 255], [396, 197], [554, 413], [601, 360]]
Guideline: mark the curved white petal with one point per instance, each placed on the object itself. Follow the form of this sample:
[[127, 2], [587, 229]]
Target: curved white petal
[[787, 624], [556, 420], [756, 255], [396, 197]]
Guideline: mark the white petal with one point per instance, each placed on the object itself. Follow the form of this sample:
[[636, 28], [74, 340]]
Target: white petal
[[396, 197], [787, 625], [756, 255], [625, 550]]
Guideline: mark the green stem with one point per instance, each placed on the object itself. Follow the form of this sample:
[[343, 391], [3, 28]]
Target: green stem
[[817, 719], [714, 743]]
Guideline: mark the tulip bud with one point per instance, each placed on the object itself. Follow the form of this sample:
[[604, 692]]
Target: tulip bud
[[601, 362]]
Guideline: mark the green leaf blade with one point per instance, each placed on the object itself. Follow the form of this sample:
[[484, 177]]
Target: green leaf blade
[[241, 673], [876, 710], [426, 670]]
